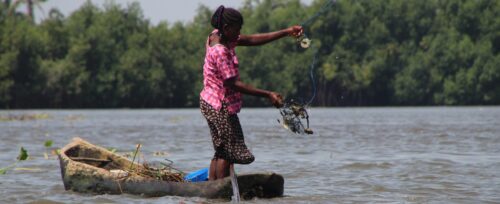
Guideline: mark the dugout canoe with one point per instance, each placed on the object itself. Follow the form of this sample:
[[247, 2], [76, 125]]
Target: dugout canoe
[[87, 168]]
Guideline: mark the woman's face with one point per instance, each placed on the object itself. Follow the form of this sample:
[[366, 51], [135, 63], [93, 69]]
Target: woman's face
[[232, 32]]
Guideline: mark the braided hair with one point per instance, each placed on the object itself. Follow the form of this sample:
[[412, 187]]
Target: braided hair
[[228, 16]]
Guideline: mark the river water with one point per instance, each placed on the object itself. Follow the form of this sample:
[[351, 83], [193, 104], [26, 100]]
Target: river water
[[357, 155]]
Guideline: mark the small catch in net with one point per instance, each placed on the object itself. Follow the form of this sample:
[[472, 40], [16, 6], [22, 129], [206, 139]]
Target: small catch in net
[[293, 113]]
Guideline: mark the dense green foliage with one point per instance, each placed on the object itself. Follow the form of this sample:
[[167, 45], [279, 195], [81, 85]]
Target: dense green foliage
[[371, 52]]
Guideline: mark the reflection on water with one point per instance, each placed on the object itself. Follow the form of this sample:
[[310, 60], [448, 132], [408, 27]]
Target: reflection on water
[[420, 155]]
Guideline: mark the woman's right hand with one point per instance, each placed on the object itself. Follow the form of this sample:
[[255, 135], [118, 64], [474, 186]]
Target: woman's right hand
[[295, 31], [276, 99]]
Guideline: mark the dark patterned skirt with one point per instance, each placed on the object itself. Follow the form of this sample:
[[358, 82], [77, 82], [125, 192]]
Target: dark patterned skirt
[[227, 136]]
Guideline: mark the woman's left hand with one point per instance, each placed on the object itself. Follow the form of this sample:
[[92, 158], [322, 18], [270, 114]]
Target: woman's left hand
[[276, 99], [295, 31]]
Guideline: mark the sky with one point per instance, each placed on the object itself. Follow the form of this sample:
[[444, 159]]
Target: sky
[[154, 10]]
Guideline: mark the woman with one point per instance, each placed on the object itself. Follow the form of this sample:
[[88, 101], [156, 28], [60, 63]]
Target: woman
[[220, 99]]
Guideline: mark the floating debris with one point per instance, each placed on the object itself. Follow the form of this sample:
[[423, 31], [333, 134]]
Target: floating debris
[[4, 170], [55, 152], [27, 169], [160, 153], [24, 117], [23, 155], [111, 149], [48, 143], [176, 119], [74, 117]]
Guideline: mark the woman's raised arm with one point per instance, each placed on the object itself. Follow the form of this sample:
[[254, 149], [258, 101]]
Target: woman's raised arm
[[263, 38]]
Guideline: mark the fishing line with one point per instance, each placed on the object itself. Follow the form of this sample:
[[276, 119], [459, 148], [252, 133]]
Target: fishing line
[[293, 112], [323, 9], [305, 42], [311, 75]]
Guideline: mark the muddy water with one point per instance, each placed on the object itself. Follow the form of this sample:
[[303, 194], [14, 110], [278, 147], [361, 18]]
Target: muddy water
[[380, 155]]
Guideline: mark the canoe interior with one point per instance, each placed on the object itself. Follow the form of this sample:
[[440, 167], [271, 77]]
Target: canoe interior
[[98, 158], [87, 168]]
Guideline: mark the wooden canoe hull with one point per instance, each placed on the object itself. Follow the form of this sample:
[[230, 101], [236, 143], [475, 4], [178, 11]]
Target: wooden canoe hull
[[95, 178]]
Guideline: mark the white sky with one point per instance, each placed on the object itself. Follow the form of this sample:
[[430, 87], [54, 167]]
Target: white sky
[[154, 10]]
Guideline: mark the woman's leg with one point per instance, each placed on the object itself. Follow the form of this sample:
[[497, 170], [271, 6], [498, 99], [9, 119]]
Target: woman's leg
[[212, 171], [214, 125], [222, 169]]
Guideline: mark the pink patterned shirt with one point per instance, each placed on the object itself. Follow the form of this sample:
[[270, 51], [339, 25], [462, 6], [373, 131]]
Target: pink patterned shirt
[[221, 64]]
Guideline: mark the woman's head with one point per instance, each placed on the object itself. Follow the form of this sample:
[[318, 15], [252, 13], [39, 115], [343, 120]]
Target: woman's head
[[228, 21]]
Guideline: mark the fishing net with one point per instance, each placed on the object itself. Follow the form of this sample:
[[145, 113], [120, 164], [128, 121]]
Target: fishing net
[[293, 114]]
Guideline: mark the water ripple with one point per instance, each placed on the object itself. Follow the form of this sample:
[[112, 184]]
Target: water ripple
[[357, 155]]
